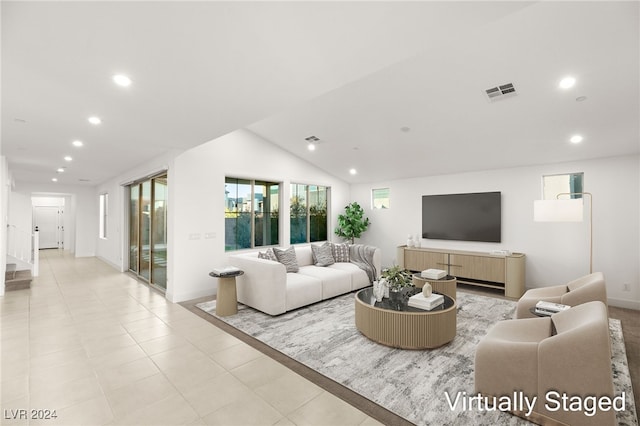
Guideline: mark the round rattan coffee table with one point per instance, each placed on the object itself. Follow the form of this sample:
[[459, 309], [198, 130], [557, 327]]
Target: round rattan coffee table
[[402, 326]]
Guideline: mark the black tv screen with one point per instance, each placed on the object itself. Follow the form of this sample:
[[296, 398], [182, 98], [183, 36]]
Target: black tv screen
[[462, 217]]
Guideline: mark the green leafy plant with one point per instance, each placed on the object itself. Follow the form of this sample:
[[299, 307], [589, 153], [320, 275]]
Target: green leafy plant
[[352, 223], [397, 278]]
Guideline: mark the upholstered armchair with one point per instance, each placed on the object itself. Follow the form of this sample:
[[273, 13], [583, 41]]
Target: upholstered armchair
[[584, 289], [568, 353]]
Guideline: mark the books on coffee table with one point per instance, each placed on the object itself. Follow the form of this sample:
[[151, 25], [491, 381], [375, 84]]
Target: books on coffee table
[[433, 274], [426, 303]]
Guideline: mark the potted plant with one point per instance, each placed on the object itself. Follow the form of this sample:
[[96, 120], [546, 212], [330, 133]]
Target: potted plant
[[397, 278], [352, 223]]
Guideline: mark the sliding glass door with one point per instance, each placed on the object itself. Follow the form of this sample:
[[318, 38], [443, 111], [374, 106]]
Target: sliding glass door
[[148, 230]]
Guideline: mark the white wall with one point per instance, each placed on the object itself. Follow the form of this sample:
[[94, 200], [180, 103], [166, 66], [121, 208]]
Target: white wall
[[114, 249], [80, 215], [197, 202], [20, 211], [556, 252]]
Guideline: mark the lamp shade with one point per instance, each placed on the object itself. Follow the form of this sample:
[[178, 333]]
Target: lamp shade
[[564, 210]]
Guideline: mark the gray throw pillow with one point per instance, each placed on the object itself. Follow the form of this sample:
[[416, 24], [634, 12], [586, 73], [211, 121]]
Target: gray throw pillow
[[322, 254], [287, 258], [340, 252], [269, 255]]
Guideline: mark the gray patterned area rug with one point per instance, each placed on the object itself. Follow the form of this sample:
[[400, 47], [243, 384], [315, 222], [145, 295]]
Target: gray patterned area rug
[[412, 384]]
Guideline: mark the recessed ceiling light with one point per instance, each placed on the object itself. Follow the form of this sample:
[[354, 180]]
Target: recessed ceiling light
[[77, 143], [311, 147], [576, 139], [68, 158], [122, 80], [567, 82], [60, 170], [353, 171], [95, 120], [54, 179]]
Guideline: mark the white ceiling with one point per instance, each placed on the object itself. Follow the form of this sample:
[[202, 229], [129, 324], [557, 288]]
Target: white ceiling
[[351, 73]]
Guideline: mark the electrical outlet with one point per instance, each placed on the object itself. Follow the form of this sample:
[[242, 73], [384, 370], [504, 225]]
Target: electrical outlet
[[626, 287]]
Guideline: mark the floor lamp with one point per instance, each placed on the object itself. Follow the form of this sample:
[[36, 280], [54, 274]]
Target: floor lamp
[[566, 210]]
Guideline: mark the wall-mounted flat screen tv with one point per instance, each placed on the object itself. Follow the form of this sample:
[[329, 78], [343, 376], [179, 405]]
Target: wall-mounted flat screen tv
[[462, 217]]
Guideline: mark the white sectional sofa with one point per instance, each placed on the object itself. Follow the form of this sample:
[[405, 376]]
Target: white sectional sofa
[[266, 286]]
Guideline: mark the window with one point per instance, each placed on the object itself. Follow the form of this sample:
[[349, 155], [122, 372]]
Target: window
[[308, 213], [104, 208], [567, 183], [380, 198], [251, 213]]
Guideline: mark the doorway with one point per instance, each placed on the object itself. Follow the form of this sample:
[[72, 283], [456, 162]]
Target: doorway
[[148, 230], [48, 221]]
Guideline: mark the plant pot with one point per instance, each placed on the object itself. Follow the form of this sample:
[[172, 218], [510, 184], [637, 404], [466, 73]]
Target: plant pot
[[396, 298]]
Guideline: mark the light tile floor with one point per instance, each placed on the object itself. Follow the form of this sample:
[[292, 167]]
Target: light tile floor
[[100, 348]]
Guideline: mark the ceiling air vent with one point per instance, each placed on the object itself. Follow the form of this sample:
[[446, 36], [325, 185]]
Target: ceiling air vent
[[312, 139], [500, 92]]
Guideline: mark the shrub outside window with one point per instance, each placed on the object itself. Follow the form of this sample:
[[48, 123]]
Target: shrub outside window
[[308, 213], [251, 213]]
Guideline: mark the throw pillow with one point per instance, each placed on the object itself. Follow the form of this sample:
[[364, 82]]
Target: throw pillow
[[322, 255], [287, 258], [340, 252], [269, 255]]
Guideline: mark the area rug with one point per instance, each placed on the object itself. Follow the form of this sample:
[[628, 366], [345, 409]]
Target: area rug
[[412, 384]]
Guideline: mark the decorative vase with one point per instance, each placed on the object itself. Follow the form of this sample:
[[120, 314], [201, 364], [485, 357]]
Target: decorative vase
[[410, 242], [384, 287], [416, 242], [378, 290], [427, 290]]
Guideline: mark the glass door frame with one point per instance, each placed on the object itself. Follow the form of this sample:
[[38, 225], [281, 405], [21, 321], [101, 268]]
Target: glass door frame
[[137, 271]]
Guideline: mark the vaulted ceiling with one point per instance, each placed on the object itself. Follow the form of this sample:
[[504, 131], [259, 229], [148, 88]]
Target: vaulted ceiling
[[391, 89]]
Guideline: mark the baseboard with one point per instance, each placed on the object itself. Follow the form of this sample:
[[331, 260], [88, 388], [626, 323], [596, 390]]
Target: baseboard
[[183, 297], [624, 303], [113, 265]]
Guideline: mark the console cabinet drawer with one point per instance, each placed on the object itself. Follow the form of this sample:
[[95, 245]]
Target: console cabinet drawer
[[417, 260], [478, 267]]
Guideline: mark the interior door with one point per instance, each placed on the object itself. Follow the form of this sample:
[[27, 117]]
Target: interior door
[[47, 221]]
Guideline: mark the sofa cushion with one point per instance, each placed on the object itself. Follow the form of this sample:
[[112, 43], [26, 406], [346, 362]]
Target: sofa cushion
[[302, 290], [322, 254], [359, 278], [334, 281], [269, 254], [340, 252], [288, 258]]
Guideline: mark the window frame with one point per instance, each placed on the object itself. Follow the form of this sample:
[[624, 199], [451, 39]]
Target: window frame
[[252, 211], [577, 194], [373, 199], [308, 206]]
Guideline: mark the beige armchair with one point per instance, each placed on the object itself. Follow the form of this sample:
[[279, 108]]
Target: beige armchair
[[584, 289], [568, 353]]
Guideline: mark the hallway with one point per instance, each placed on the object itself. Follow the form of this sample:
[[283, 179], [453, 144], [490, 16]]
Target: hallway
[[98, 347]]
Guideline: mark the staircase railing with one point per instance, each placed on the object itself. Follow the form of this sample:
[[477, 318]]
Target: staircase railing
[[24, 246]]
